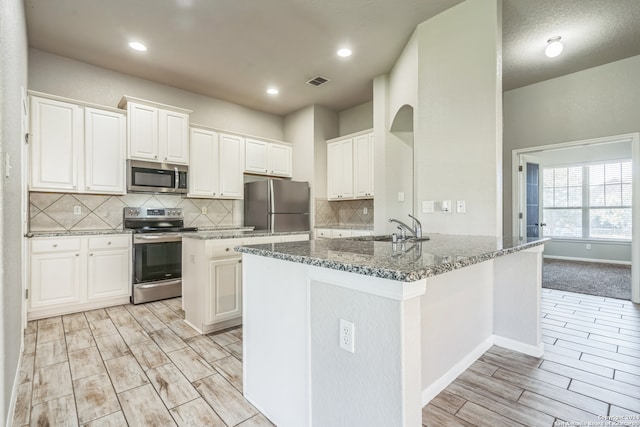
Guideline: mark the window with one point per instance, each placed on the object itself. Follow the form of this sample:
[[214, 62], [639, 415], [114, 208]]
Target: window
[[588, 201]]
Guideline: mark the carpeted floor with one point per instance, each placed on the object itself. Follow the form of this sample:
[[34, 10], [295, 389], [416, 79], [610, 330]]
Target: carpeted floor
[[606, 280]]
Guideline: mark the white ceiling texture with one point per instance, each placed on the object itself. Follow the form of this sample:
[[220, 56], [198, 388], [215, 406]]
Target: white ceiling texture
[[234, 49]]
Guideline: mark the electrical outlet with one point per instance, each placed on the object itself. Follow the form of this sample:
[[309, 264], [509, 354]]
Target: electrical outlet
[[588, 246], [347, 330], [204, 210], [365, 211], [461, 206], [77, 210]]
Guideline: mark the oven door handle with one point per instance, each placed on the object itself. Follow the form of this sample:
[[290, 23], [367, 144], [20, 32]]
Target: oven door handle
[[157, 239]]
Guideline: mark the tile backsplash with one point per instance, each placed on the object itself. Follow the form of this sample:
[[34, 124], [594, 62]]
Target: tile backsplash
[[55, 211], [344, 212]]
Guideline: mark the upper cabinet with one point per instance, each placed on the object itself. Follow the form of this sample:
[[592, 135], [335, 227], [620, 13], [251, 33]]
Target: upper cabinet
[[350, 167], [268, 158], [76, 147], [157, 132], [363, 166], [216, 165]]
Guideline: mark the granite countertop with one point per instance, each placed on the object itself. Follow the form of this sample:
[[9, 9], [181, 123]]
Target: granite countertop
[[230, 234], [75, 233], [416, 261], [345, 227]]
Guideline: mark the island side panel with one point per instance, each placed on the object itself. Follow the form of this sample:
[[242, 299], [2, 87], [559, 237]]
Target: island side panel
[[379, 383], [457, 324], [276, 339], [518, 288]]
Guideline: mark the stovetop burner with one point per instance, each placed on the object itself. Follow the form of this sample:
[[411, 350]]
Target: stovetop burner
[[155, 220]]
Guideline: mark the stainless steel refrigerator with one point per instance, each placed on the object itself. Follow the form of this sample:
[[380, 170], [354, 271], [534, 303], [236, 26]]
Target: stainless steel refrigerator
[[277, 205]]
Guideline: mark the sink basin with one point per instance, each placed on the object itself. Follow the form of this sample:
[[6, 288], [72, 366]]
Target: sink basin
[[388, 238]]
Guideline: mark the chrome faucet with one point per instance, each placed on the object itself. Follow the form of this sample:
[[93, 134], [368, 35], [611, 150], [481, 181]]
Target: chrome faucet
[[417, 226], [416, 231]]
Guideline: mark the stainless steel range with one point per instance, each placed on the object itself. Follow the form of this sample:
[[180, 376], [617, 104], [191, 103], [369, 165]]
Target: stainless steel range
[[157, 252]]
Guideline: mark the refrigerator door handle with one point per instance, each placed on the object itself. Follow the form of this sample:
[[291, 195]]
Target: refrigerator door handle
[[272, 205]]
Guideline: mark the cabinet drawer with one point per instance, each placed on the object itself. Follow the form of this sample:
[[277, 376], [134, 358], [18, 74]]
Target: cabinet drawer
[[323, 233], [223, 248], [109, 242], [54, 245], [336, 234]]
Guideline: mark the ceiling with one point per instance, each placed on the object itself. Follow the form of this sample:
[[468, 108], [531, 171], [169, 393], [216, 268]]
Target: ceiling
[[234, 49]]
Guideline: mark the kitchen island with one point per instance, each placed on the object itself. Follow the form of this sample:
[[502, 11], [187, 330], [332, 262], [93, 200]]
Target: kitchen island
[[212, 274], [417, 315]]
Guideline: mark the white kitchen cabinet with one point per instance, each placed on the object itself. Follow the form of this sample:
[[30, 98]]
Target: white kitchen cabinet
[[216, 165], [350, 167], [340, 233], [56, 143], [363, 166], [340, 169], [224, 299], [157, 132], [268, 158], [105, 146], [76, 148], [55, 274], [336, 233], [231, 157], [108, 267], [72, 274], [212, 279]]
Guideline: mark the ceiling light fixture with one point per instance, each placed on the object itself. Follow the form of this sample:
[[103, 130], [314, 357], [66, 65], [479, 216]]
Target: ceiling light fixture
[[273, 91], [137, 46], [554, 47], [344, 52]]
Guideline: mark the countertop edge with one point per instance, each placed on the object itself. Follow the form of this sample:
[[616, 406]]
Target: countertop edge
[[385, 273]]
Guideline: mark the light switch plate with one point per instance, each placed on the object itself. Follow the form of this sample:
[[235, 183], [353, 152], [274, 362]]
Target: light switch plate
[[401, 196], [428, 206], [461, 206]]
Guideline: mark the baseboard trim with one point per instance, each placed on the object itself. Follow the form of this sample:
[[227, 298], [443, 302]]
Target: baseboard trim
[[531, 350], [596, 260], [14, 388], [441, 383]]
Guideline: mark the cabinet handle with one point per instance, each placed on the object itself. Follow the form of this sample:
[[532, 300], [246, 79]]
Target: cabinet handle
[[77, 254], [55, 245], [108, 243], [155, 157], [240, 261], [226, 249], [91, 254]]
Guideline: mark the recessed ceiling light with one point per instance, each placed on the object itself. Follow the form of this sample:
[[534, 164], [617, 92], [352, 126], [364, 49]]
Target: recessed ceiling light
[[554, 47], [344, 52], [137, 46], [273, 91]]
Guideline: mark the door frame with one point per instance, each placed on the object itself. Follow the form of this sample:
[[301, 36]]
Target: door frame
[[518, 155]]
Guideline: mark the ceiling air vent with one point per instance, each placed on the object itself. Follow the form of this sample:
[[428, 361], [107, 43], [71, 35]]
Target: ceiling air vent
[[317, 81]]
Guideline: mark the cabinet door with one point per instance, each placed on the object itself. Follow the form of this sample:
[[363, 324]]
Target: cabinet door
[[203, 167], [55, 279], [256, 156], [143, 132], [231, 166], [57, 140], [105, 142], [108, 274], [363, 166], [173, 137], [280, 160], [340, 169], [224, 299]]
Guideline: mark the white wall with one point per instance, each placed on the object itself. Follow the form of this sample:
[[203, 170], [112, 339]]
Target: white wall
[[598, 102], [13, 57], [356, 119], [326, 123], [78, 80], [458, 139]]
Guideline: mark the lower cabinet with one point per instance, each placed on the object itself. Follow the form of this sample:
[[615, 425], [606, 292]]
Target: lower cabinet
[[212, 280], [336, 233], [71, 274], [224, 294]]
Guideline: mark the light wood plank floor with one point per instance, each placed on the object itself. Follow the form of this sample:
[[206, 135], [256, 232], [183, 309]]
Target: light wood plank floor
[[140, 366], [589, 375]]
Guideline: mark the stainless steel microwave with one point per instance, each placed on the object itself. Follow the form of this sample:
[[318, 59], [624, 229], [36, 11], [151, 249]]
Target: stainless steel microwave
[[149, 177]]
